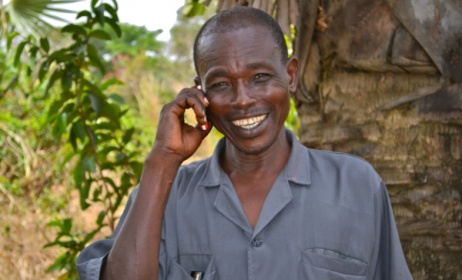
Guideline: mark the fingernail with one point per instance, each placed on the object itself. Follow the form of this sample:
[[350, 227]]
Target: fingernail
[[205, 126], [199, 87], [206, 101]]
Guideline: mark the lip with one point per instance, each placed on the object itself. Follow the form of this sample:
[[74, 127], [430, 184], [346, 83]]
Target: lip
[[249, 123]]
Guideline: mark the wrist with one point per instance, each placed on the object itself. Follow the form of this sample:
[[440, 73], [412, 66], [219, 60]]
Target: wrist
[[163, 156]]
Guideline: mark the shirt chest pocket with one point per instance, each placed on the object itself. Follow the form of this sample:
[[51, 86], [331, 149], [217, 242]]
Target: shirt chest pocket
[[319, 263], [182, 269]]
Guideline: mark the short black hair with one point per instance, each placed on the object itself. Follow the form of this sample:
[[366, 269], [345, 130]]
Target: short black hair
[[236, 18]]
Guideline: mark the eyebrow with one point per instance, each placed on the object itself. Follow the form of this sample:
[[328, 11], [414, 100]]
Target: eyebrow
[[218, 73], [256, 65], [224, 72]]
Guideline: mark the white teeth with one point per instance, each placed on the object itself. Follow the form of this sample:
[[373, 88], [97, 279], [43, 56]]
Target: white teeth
[[249, 123]]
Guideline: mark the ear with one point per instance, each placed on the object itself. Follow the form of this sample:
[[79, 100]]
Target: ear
[[197, 81], [292, 71]]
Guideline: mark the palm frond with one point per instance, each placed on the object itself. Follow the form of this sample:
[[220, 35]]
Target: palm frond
[[32, 15]]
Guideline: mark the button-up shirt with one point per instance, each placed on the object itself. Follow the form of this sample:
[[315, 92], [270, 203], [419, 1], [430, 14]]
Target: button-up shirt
[[327, 216]]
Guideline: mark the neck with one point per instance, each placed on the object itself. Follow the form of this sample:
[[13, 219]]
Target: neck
[[272, 160]]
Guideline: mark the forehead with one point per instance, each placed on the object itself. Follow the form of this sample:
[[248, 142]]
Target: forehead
[[254, 42]]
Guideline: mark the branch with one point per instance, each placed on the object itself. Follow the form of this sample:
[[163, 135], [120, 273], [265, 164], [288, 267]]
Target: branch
[[415, 95]]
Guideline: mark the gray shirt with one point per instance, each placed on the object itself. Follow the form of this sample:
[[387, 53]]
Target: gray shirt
[[327, 216]]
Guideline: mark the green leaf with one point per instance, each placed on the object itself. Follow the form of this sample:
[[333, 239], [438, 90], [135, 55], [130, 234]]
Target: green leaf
[[99, 34], [84, 13], [59, 263], [66, 79], [111, 11], [105, 126], [57, 74], [84, 192], [193, 8], [10, 38], [94, 58], [93, 3], [33, 54], [60, 56], [116, 6], [99, 14], [114, 26], [121, 157], [128, 135], [43, 70], [126, 183], [108, 149], [75, 29], [19, 52], [78, 128], [62, 122], [45, 44], [79, 174], [111, 182], [66, 225], [110, 82], [111, 111], [90, 164], [73, 140], [96, 195], [90, 236], [100, 219], [93, 88], [54, 107], [117, 98], [96, 103], [60, 126], [66, 159], [54, 223]]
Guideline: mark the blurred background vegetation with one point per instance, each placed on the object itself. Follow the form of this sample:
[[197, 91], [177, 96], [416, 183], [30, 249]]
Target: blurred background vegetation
[[78, 112]]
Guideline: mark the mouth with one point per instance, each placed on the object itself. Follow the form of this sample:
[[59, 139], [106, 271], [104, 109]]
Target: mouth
[[249, 123]]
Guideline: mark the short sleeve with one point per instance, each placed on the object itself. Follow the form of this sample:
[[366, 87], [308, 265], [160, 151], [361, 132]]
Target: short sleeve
[[389, 262], [91, 260]]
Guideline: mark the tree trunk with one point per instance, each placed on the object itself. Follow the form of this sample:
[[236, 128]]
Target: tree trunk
[[382, 79]]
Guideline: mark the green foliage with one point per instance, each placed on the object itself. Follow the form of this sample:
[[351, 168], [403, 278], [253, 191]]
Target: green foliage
[[133, 41], [292, 122], [194, 8], [67, 119], [30, 16], [104, 150]]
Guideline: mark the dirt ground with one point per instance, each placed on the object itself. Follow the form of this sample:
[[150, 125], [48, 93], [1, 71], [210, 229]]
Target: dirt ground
[[24, 232]]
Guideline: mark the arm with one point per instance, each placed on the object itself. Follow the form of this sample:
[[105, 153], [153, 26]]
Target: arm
[[135, 254], [389, 261]]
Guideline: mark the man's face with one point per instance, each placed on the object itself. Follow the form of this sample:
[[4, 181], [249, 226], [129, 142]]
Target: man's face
[[247, 85]]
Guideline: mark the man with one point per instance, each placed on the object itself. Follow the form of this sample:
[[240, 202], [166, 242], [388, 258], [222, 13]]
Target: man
[[263, 206]]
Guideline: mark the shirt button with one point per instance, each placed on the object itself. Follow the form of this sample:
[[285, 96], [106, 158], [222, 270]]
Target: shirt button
[[256, 243]]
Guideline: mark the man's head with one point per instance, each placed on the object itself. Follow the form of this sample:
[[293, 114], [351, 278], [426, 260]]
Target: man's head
[[246, 76], [236, 18]]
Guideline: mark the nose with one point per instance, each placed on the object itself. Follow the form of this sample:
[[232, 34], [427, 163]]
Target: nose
[[243, 97]]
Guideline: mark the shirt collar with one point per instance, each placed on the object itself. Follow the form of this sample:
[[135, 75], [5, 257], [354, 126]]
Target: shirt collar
[[296, 170]]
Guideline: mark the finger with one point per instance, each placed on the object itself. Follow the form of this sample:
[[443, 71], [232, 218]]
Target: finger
[[202, 120], [204, 129], [193, 98]]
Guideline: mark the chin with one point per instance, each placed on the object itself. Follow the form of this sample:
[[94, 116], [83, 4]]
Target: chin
[[254, 149]]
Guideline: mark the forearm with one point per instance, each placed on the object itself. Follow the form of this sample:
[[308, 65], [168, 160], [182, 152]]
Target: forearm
[[135, 254]]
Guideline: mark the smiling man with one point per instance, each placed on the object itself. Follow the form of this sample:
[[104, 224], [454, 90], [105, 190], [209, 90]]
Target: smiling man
[[263, 206]]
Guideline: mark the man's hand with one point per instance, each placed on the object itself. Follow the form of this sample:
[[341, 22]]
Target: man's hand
[[175, 138]]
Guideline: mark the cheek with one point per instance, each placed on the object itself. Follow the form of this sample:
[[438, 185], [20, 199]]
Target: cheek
[[214, 112]]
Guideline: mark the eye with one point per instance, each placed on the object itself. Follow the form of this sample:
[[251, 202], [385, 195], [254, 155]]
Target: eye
[[218, 86], [261, 77]]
